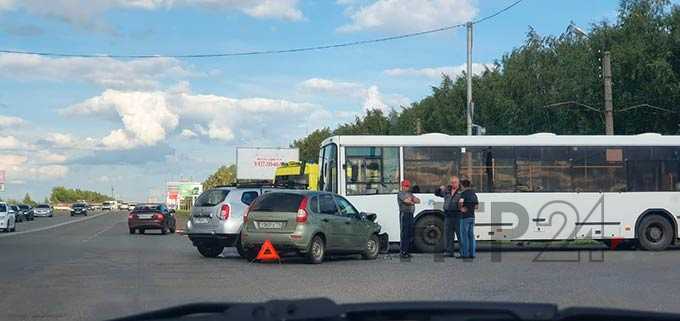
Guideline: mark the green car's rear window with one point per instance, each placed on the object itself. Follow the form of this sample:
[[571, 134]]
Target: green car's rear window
[[277, 202]]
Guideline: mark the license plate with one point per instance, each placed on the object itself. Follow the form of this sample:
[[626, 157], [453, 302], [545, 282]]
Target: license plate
[[200, 220], [145, 216], [270, 225]]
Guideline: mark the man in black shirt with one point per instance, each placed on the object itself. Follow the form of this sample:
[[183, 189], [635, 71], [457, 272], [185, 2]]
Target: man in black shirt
[[468, 204], [451, 195]]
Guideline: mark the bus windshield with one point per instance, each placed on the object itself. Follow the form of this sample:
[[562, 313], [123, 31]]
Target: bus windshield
[[328, 158]]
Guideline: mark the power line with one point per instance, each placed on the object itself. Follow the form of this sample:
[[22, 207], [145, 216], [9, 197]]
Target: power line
[[263, 52]]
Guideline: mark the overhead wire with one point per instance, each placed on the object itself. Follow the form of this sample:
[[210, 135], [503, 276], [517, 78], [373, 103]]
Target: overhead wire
[[260, 52]]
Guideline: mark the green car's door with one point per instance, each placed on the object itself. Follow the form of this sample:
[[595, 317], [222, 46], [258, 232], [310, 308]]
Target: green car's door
[[331, 223], [356, 229]]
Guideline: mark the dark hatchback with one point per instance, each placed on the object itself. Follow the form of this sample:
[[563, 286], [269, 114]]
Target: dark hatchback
[[27, 210], [151, 216], [79, 209]]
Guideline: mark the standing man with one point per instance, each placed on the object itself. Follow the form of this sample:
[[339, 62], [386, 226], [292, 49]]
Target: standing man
[[451, 195], [407, 207], [468, 204]]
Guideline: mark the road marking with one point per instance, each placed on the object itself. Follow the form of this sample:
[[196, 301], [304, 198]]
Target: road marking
[[51, 226], [98, 233]]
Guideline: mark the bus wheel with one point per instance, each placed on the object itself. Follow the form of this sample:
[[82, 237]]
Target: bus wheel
[[655, 233], [429, 234]]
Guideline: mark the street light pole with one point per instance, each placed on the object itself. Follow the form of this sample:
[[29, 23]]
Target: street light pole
[[608, 104], [469, 79]]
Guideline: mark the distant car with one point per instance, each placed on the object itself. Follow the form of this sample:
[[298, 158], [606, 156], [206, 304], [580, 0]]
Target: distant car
[[18, 214], [79, 209], [108, 206], [7, 218], [27, 210], [44, 210], [151, 216], [123, 206], [312, 224], [217, 217]]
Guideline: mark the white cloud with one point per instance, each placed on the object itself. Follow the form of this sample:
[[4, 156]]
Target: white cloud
[[105, 72], [9, 142], [10, 121], [437, 72], [48, 157], [187, 133], [46, 172], [89, 13], [146, 116], [370, 96], [409, 15], [150, 117]]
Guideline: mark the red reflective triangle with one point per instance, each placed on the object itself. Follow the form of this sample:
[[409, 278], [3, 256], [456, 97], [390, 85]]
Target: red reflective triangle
[[267, 252]]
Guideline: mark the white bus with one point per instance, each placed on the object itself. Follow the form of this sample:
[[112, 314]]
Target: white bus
[[535, 187]]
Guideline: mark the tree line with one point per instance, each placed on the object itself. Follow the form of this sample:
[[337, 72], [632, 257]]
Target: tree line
[[62, 194], [553, 84]]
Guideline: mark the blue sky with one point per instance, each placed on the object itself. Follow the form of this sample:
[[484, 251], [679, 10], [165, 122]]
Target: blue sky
[[133, 124]]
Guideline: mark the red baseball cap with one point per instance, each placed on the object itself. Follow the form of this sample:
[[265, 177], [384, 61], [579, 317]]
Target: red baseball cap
[[405, 183]]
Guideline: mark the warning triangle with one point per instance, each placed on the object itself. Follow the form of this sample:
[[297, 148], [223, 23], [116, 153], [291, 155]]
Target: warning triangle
[[267, 252]]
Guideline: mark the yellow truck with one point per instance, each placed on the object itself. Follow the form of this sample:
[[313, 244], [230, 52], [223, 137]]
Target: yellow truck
[[298, 175]]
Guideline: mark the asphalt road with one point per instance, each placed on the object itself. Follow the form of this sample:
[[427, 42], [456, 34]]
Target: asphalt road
[[94, 270]]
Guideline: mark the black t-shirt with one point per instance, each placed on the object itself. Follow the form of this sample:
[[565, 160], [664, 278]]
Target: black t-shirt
[[470, 201]]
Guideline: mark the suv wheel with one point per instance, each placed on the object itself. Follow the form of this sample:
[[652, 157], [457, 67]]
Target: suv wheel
[[239, 247], [372, 248], [316, 250], [210, 251]]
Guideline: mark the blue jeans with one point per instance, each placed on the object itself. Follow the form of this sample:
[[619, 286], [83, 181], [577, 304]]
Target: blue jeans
[[406, 224], [468, 244], [451, 229]]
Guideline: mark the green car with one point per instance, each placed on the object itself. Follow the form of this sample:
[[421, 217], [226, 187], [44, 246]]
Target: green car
[[309, 223]]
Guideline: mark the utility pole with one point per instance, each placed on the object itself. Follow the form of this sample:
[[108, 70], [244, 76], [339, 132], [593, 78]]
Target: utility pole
[[608, 104], [469, 79]]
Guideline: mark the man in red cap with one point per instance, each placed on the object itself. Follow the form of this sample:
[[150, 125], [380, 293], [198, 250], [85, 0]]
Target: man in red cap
[[406, 201]]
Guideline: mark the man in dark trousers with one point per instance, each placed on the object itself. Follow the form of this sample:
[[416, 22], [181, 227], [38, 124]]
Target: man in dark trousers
[[451, 195], [468, 204], [406, 201]]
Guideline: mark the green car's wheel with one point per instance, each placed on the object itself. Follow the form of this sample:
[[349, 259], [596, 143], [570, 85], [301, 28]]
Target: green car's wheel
[[372, 248], [316, 251]]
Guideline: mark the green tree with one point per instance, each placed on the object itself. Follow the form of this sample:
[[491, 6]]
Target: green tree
[[309, 145], [27, 200], [225, 175], [62, 194]]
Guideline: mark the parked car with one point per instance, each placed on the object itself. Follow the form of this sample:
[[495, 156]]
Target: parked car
[[7, 218], [152, 216], [308, 223], [27, 210], [79, 209], [217, 217], [43, 210], [18, 214]]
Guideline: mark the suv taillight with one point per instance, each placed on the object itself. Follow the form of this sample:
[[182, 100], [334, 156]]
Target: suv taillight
[[301, 216], [224, 211]]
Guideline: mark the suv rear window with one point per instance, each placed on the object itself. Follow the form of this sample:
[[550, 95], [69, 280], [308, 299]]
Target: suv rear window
[[211, 198], [3, 208], [277, 202], [43, 206]]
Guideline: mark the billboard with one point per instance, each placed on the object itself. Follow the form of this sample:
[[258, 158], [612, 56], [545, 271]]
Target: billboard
[[259, 163], [177, 192]]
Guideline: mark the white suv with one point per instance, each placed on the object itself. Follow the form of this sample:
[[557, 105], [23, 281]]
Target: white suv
[[7, 218], [217, 217]]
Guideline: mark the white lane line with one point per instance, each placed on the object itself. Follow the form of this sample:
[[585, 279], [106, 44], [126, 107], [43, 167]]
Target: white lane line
[[51, 226], [99, 233]]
